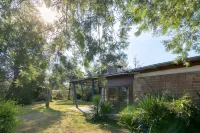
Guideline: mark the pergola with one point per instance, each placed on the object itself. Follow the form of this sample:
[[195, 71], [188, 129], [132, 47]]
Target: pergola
[[81, 82]]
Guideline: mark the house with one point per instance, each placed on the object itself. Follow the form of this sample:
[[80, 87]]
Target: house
[[124, 86], [119, 87]]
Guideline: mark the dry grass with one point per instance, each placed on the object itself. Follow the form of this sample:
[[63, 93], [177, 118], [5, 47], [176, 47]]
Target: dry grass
[[60, 119]]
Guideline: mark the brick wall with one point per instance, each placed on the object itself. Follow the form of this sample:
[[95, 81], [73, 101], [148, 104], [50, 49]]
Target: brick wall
[[173, 83]]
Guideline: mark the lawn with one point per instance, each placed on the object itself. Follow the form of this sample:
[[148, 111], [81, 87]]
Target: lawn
[[61, 118]]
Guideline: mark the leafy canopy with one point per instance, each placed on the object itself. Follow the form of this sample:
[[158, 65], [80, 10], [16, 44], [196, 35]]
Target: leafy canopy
[[178, 19]]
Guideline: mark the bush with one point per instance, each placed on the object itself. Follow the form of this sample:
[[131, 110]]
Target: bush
[[57, 95], [24, 95], [96, 103], [159, 114], [105, 108], [79, 96], [41, 97], [100, 109], [87, 96], [8, 116]]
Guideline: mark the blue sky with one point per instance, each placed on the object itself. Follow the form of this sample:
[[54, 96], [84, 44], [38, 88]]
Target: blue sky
[[149, 49]]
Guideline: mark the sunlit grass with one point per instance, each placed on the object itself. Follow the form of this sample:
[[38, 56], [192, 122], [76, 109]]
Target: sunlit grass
[[60, 118]]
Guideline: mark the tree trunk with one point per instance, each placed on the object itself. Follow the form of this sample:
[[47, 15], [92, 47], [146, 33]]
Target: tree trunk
[[13, 89], [69, 92], [47, 98]]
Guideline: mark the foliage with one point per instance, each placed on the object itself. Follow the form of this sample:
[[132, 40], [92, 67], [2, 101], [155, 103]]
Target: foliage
[[8, 116], [87, 37], [178, 19], [96, 103], [198, 94], [157, 114], [23, 43], [23, 50], [88, 30], [79, 96], [105, 108], [66, 70], [27, 94], [100, 109], [41, 96], [57, 95], [198, 101], [87, 95], [35, 54]]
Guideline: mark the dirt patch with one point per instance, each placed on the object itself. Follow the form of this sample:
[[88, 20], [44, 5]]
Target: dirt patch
[[86, 109]]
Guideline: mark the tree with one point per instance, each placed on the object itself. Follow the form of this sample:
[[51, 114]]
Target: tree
[[177, 18], [88, 30], [23, 47], [85, 29]]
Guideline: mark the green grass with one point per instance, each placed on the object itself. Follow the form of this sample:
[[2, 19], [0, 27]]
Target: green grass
[[60, 118]]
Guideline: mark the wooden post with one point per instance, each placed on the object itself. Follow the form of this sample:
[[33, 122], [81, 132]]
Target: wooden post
[[92, 87], [69, 91], [75, 98], [82, 91], [102, 94]]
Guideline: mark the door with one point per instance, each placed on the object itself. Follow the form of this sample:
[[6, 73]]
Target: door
[[118, 97]]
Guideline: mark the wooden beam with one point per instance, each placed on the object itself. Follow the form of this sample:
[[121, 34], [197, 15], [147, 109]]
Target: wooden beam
[[75, 97]]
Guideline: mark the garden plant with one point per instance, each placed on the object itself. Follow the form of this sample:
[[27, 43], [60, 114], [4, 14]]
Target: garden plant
[[162, 114]]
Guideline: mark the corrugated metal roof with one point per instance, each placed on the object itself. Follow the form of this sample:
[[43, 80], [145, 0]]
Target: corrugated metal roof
[[154, 66], [150, 67]]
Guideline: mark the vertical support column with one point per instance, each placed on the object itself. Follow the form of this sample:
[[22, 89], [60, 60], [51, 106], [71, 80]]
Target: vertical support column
[[81, 91], [106, 93], [75, 98], [92, 87], [118, 96], [69, 91], [102, 94], [128, 89]]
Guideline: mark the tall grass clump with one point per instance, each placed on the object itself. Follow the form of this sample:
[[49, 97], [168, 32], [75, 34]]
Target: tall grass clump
[[100, 109], [162, 114], [8, 116]]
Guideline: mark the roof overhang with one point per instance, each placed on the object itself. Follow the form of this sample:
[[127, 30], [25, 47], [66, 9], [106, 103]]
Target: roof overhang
[[156, 67]]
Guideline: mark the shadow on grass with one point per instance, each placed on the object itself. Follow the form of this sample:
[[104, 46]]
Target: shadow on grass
[[85, 114], [67, 102], [38, 120], [109, 125]]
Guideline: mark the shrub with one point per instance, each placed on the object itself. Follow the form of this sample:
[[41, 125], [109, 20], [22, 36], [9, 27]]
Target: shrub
[[8, 119], [100, 109], [198, 93], [96, 103], [41, 97], [198, 99], [105, 108], [57, 95], [87, 96], [79, 96], [159, 114]]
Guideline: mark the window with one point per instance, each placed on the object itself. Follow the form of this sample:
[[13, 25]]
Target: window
[[118, 96]]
